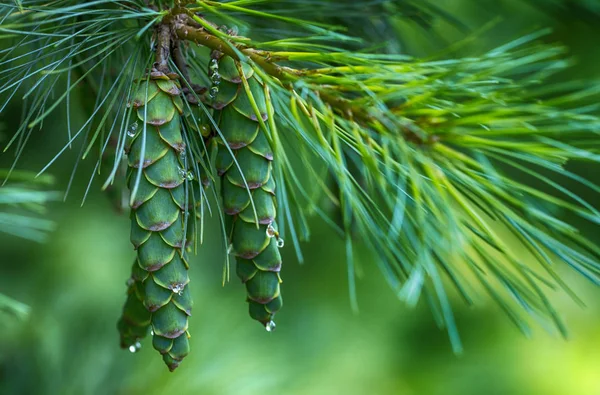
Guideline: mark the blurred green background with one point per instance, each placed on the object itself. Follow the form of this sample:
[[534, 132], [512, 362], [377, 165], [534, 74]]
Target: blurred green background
[[75, 285]]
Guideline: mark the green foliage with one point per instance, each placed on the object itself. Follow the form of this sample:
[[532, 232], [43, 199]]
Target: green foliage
[[22, 201], [432, 164], [21, 196], [11, 309]]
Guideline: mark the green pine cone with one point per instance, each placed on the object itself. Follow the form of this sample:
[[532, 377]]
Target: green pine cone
[[253, 231], [134, 323], [160, 228]]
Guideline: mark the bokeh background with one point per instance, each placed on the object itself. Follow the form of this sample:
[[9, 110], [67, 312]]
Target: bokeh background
[[75, 285]]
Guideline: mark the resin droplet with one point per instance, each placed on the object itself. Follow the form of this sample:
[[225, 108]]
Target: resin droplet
[[280, 243], [135, 347], [205, 130], [271, 232], [214, 91], [270, 326], [190, 176]]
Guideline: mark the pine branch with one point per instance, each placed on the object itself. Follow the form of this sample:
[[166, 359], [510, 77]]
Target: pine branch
[[428, 163], [267, 62], [458, 195]]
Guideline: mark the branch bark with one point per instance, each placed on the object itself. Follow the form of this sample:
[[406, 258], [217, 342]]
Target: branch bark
[[163, 48]]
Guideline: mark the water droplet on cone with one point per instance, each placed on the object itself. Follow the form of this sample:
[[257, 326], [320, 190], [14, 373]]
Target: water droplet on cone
[[135, 347], [178, 288], [270, 326], [214, 65], [132, 129], [280, 243], [183, 173]]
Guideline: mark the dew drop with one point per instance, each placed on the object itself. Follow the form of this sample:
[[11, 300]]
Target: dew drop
[[214, 65], [178, 289], [271, 232], [214, 91], [230, 248], [135, 347], [190, 176], [270, 326], [132, 129], [183, 173], [215, 78], [280, 243]]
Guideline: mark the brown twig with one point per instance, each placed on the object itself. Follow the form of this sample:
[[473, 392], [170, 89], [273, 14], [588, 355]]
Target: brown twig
[[341, 105], [202, 37]]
